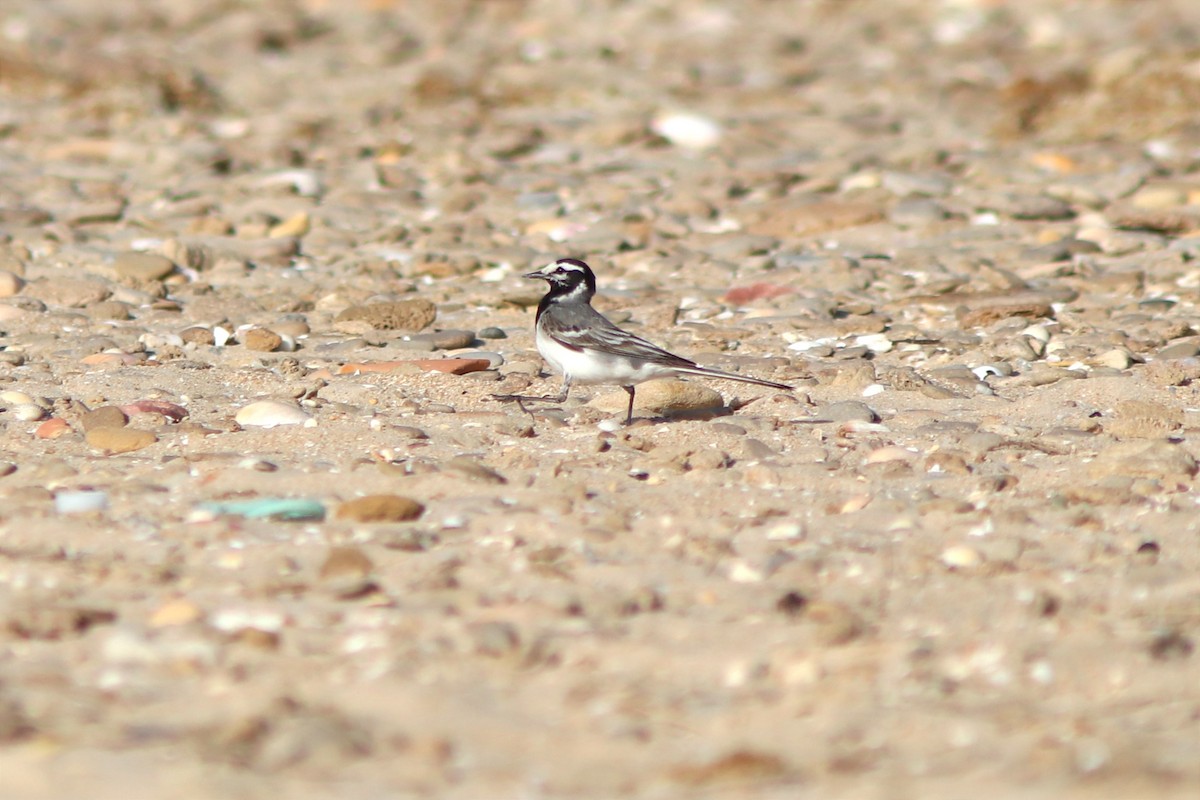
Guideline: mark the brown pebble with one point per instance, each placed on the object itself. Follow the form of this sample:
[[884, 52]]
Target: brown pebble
[[380, 508], [346, 573], [404, 315], [119, 440], [109, 309], [143, 266], [346, 562], [103, 417], [262, 340], [197, 335]]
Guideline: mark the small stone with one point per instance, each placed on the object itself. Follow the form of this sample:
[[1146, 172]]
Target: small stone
[[80, 502], [452, 366], [1188, 348], [491, 333], [262, 340], [69, 292], [52, 428], [347, 571], [27, 412], [296, 225], [1117, 358], [1143, 419], [847, 411], [197, 334], [664, 397], [380, 508], [803, 219], [119, 440], [174, 613], [687, 130], [143, 266], [405, 315], [10, 283], [473, 469], [452, 339], [961, 557], [270, 414], [103, 417], [172, 411], [109, 310], [1158, 459]]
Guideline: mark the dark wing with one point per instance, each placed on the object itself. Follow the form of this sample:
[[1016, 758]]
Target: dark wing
[[590, 330]]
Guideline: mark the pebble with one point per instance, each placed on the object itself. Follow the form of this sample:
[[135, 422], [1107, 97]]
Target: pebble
[[69, 292], [347, 572], [27, 412], [446, 340], [52, 428], [452, 366], [10, 283], [119, 440], [143, 266], [198, 334], [961, 557], [80, 502], [1139, 459], [109, 310], [270, 414], [663, 397], [172, 411], [262, 340], [103, 417], [687, 130], [847, 411], [492, 333], [380, 508], [404, 315], [296, 225], [289, 509]]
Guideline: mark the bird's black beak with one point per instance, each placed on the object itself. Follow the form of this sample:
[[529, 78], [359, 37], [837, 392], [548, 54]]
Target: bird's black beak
[[536, 274]]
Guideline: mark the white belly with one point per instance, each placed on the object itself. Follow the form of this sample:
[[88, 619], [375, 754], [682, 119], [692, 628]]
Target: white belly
[[593, 367]]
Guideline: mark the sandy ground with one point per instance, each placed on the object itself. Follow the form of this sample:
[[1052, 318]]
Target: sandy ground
[[961, 557]]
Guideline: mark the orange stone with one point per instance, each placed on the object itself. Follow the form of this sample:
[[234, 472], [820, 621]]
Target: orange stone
[[453, 366], [52, 428]]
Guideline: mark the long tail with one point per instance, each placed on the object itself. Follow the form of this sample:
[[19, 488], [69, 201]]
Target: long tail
[[732, 376]]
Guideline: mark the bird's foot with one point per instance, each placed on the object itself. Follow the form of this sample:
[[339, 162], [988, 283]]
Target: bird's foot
[[522, 399], [518, 398]]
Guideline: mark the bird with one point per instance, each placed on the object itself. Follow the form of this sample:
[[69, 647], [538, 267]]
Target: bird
[[587, 348]]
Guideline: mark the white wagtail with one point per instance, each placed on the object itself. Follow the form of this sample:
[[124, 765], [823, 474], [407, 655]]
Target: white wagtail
[[585, 347]]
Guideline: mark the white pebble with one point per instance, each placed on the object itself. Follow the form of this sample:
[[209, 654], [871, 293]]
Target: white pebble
[[28, 412], [961, 557], [785, 532], [221, 336], [15, 398], [269, 414], [874, 389], [875, 342], [80, 502], [304, 182], [683, 129]]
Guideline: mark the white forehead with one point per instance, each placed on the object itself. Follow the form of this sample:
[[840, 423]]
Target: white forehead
[[554, 266]]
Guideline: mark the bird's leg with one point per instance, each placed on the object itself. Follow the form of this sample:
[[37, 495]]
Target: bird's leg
[[519, 399], [629, 412]]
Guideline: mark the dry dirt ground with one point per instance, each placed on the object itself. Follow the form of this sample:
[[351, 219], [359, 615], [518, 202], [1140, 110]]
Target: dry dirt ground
[[962, 556]]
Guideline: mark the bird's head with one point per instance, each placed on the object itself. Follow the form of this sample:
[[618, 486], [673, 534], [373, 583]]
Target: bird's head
[[567, 276]]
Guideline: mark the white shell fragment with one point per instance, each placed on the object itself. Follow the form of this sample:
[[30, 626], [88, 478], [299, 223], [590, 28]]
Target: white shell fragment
[[269, 414], [687, 130]]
